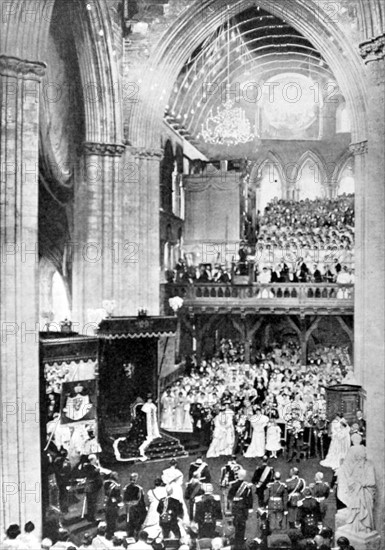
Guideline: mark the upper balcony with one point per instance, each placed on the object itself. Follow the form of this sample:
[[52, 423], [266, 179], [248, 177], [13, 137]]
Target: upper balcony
[[273, 298]]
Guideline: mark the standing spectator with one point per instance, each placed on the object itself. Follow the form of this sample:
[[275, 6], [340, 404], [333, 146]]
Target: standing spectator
[[133, 498], [207, 512], [241, 497], [276, 496], [295, 487], [93, 485], [113, 501], [201, 468], [262, 476], [170, 509], [194, 488], [62, 469], [320, 490], [309, 513]]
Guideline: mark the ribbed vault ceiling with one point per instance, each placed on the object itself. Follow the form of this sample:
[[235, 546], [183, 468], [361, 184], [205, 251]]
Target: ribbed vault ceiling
[[262, 46]]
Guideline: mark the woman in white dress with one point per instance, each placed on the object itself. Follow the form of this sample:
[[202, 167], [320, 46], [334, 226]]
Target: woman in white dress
[[167, 417], [179, 412], [339, 445], [150, 410], [187, 420], [273, 438], [224, 434], [257, 446], [151, 523]]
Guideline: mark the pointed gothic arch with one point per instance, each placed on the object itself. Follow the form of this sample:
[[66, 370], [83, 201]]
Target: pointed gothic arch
[[193, 26], [267, 180], [315, 177]]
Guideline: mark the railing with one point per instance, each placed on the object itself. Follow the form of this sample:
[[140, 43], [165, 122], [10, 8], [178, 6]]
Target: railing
[[298, 295]]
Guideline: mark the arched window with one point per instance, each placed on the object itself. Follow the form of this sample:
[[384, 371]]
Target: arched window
[[309, 179], [342, 118], [60, 305], [269, 186], [345, 182]]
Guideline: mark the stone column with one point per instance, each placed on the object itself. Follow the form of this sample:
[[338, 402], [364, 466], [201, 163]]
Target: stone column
[[141, 226], [360, 152], [20, 474], [98, 244], [370, 292]]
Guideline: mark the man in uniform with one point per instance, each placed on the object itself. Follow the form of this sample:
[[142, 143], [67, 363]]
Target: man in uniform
[[194, 488], [93, 485], [241, 497], [229, 473], [320, 431], [112, 491], [133, 498], [169, 510], [201, 468], [207, 512], [262, 476], [276, 497], [295, 486], [309, 513], [320, 490]]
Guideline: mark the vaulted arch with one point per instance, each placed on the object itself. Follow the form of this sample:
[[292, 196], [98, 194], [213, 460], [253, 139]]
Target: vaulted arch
[[309, 177], [193, 26], [25, 34]]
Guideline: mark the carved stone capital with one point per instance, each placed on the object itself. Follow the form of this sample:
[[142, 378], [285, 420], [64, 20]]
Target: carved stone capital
[[360, 148], [103, 149], [21, 68], [149, 154], [373, 49]]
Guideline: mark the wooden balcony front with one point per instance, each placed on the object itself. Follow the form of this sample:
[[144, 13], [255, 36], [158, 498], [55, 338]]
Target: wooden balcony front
[[273, 298]]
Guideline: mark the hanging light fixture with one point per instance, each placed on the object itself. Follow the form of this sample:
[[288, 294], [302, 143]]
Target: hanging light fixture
[[229, 125]]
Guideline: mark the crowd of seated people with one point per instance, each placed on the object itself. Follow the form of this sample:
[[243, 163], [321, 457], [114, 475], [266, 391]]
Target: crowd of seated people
[[320, 224], [225, 401], [296, 241]]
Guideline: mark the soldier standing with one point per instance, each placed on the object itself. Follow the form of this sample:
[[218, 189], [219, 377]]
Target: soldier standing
[[169, 510], [241, 497], [276, 497], [229, 473], [112, 491], [201, 468], [207, 511], [194, 488], [295, 486], [133, 498], [320, 490], [93, 485], [309, 513], [262, 476]]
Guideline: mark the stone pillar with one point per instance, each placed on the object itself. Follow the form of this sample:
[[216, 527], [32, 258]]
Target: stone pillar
[[141, 227], [360, 152], [20, 474], [371, 291], [98, 246]]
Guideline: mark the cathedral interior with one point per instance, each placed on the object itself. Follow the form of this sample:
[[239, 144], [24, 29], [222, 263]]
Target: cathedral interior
[[142, 146]]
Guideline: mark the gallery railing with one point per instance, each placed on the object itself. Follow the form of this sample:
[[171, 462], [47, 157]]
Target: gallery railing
[[289, 293]]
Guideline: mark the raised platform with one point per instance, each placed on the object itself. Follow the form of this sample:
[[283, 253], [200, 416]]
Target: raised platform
[[159, 449]]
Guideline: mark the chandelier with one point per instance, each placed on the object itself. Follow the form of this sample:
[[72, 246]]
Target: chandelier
[[229, 125]]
